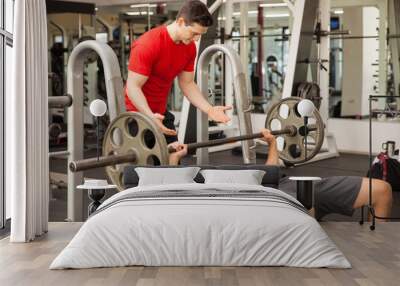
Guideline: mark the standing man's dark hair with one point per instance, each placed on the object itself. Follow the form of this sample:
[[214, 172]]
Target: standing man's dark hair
[[195, 11]]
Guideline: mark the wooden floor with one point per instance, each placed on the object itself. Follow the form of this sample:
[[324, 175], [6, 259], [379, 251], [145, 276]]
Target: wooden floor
[[375, 257]]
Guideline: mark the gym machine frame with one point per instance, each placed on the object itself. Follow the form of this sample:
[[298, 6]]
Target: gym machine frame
[[114, 87], [370, 207], [243, 104], [300, 55]]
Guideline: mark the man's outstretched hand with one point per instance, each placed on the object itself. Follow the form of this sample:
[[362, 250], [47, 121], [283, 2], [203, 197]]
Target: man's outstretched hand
[[217, 113], [158, 119]]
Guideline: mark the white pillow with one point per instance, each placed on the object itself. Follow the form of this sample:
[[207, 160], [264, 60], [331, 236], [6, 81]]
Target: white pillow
[[248, 177], [166, 176]]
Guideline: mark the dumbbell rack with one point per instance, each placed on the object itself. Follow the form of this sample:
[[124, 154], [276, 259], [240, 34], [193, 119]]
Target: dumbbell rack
[[370, 207]]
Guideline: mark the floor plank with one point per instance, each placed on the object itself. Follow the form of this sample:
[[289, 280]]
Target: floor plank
[[375, 257]]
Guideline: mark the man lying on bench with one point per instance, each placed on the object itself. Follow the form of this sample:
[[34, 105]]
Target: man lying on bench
[[337, 194]]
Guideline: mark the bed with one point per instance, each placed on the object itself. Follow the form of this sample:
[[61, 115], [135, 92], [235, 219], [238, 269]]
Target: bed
[[201, 224]]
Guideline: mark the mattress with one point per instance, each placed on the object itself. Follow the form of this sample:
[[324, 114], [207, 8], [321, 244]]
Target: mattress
[[201, 225]]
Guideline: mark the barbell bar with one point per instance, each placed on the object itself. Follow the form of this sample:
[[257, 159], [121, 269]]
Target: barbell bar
[[110, 160], [103, 161], [289, 130]]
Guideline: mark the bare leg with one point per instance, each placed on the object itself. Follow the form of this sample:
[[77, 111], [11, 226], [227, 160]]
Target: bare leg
[[381, 197]]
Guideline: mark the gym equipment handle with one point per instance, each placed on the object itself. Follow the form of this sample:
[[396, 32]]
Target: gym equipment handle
[[60, 101]]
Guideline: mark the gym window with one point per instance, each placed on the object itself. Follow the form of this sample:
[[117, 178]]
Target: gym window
[[6, 45]]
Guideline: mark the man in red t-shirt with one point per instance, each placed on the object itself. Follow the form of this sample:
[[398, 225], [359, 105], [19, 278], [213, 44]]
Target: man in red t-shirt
[[160, 55]]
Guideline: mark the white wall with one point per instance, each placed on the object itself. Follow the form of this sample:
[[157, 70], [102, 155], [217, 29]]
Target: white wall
[[352, 63], [359, 55], [353, 135], [370, 57]]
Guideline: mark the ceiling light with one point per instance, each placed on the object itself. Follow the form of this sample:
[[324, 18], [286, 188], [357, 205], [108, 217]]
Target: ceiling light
[[145, 13], [250, 12], [143, 5], [282, 15], [338, 11], [275, 15], [271, 5], [139, 13]]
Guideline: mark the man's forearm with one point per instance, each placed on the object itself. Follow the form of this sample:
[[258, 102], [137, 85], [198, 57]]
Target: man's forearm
[[173, 160], [194, 95], [273, 156], [137, 97]]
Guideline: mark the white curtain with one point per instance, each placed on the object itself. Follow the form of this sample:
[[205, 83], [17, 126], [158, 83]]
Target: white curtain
[[27, 124]]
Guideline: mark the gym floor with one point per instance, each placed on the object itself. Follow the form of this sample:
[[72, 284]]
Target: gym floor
[[344, 165]]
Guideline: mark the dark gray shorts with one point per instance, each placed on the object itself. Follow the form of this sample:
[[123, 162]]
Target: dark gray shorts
[[332, 194]]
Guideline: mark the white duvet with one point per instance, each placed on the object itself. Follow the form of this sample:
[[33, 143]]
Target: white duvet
[[208, 230]]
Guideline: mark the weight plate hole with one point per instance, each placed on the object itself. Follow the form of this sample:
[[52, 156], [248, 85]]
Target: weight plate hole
[[133, 127], [284, 111], [280, 143], [116, 137], [312, 120], [153, 160], [310, 142], [294, 151], [149, 140], [296, 111], [275, 124], [302, 131]]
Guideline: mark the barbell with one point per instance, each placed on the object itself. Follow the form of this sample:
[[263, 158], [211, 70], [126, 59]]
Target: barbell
[[132, 156], [133, 138]]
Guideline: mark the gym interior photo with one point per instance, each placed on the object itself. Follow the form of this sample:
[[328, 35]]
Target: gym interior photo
[[199, 142]]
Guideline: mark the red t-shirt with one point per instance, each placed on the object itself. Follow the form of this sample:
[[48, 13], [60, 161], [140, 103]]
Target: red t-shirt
[[158, 57]]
